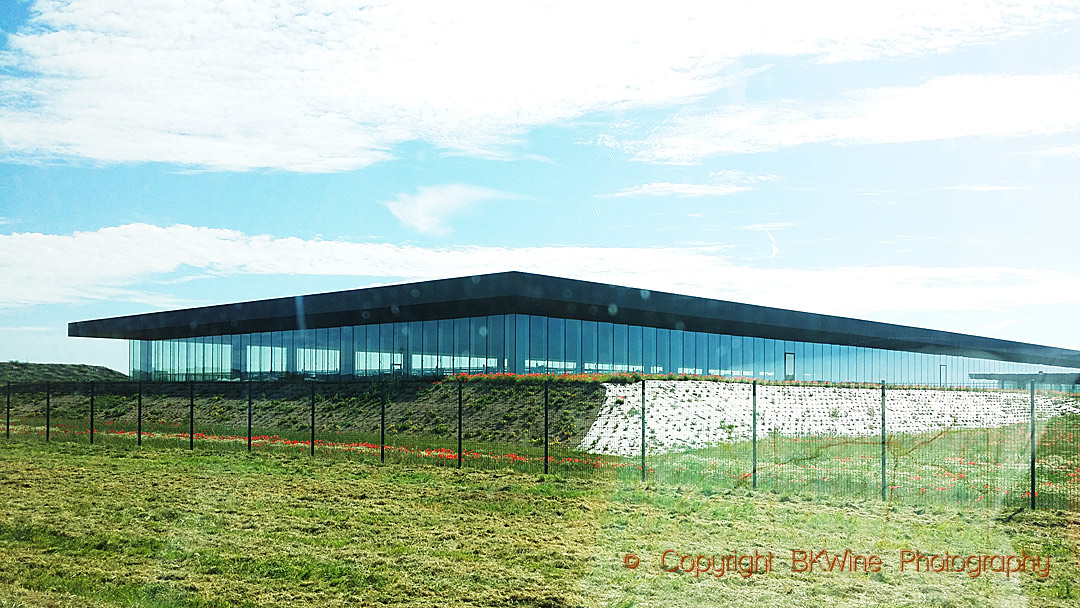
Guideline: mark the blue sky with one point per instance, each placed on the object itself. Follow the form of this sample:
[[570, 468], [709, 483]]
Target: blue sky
[[916, 163]]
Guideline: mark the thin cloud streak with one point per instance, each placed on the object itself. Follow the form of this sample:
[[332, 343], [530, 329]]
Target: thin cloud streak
[[97, 265], [677, 189], [986, 188], [724, 183], [949, 107]]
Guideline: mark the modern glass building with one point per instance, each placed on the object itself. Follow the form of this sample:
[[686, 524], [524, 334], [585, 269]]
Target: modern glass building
[[525, 323]]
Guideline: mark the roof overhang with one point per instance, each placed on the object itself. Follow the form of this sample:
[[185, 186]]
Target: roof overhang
[[525, 293]]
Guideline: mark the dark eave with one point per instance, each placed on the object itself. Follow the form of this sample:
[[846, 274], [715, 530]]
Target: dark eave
[[525, 293]]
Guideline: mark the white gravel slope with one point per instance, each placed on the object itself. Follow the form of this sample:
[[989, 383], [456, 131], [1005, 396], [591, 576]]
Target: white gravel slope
[[690, 414]]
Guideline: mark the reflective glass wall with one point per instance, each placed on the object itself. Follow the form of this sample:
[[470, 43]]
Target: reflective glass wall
[[532, 344]]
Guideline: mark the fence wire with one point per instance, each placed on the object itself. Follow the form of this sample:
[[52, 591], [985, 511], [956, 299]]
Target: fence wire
[[982, 448]]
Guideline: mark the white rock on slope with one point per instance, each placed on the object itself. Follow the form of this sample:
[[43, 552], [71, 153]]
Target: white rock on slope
[[691, 414]]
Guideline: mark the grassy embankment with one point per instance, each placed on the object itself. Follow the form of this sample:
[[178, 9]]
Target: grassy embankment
[[19, 371], [160, 527]]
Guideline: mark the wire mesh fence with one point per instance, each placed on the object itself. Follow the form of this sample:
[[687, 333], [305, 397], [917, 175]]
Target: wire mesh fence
[[990, 448]]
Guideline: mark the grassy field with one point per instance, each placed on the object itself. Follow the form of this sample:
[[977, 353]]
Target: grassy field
[[116, 526], [19, 371]]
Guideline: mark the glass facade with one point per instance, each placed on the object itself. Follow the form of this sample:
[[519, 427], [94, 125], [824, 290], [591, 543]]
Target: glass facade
[[525, 344]]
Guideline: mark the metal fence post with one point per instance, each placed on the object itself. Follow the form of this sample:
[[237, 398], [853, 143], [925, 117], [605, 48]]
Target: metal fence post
[[460, 394], [91, 413], [249, 415], [138, 432], [312, 419], [7, 418], [545, 426], [48, 409], [642, 430], [383, 396], [883, 485], [1032, 475], [191, 415], [754, 422]]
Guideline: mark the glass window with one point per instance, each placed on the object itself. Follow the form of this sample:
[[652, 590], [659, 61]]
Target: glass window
[[371, 350], [663, 351], [605, 336], [725, 355], [689, 352], [712, 354], [621, 347], [648, 350], [573, 345], [400, 337], [478, 335], [359, 347], [675, 351], [510, 343], [333, 354], [429, 357], [496, 351], [633, 338], [588, 346], [556, 341], [737, 356], [461, 345], [701, 356], [524, 340], [414, 338], [445, 363], [537, 363]]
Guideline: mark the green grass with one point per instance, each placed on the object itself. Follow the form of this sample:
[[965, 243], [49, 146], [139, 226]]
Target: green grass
[[117, 526]]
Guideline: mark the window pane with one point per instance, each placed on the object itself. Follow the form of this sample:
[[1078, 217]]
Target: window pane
[[573, 345], [648, 350], [604, 346], [675, 351], [663, 351], [713, 358], [634, 348], [445, 347], [523, 342], [537, 344], [556, 338], [737, 356], [430, 348], [588, 346], [620, 352], [496, 348], [701, 354]]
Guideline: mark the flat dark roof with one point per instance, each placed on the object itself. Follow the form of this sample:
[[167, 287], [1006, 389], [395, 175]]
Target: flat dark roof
[[534, 294]]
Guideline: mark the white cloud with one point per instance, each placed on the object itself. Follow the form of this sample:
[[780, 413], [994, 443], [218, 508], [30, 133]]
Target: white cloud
[[770, 226], [317, 86], [428, 209], [677, 189], [724, 183], [943, 108], [100, 265], [1072, 151], [985, 188]]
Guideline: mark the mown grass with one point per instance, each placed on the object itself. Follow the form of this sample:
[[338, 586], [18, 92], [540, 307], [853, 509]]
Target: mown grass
[[117, 526]]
